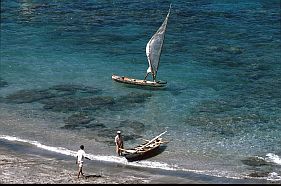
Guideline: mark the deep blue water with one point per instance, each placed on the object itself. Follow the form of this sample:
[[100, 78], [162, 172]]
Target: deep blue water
[[221, 59]]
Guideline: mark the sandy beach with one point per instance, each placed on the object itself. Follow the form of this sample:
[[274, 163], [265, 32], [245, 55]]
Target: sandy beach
[[37, 166], [25, 163], [32, 169]]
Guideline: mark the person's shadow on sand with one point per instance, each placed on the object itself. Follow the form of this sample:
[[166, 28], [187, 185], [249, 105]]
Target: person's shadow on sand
[[92, 176]]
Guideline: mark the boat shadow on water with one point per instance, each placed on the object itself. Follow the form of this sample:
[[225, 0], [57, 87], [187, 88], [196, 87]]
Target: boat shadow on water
[[164, 88], [172, 88]]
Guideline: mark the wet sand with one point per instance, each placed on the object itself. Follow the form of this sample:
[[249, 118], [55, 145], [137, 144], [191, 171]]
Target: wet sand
[[25, 164], [35, 169], [21, 163]]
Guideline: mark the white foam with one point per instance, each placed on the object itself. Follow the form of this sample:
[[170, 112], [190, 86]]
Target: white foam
[[113, 159], [120, 160], [273, 176], [60, 150], [270, 157]]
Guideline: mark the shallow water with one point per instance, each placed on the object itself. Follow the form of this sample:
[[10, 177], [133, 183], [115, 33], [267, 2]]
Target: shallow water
[[221, 106]]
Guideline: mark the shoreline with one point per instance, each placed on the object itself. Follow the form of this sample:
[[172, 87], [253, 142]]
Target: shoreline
[[25, 163], [43, 168], [112, 172]]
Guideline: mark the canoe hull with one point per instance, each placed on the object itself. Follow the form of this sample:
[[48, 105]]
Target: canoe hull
[[146, 150], [139, 82], [143, 155]]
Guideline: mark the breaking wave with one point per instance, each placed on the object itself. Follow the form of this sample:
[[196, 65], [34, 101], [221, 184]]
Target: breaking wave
[[273, 158], [270, 157], [112, 159]]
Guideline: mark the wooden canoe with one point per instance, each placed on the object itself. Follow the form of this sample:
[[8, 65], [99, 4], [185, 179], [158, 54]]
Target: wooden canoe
[[132, 81], [146, 150]]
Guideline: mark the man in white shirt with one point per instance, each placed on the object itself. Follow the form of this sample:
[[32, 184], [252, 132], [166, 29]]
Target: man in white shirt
[[119, 143], [80, 157]]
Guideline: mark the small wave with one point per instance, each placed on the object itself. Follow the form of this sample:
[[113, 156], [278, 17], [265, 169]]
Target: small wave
[[273, 176], [112, 159], [122, 160], [60, 150], [270, 157]]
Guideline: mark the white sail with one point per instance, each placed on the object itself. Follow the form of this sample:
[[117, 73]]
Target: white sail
[[154, 47]]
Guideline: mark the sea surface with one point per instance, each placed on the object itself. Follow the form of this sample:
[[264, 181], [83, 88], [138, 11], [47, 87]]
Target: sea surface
[[221, 107]]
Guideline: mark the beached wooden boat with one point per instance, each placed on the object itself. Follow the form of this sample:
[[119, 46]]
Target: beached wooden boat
[[133, 81], [146, 150]]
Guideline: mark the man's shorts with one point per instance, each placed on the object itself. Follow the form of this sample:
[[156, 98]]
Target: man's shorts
[[80, 163]]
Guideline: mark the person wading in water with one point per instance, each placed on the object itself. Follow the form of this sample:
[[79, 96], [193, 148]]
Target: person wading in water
[[119, 143]]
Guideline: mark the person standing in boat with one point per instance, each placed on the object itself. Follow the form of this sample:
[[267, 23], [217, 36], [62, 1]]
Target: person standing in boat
[[149, 71], [119, 143]]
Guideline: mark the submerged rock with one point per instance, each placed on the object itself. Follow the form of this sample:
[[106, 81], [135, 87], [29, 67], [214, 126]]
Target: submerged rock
[[129, 137], [3, 83], [133, 97], [2, 99], [75, 88], [216, 48], [136, 126], [130, 100], [78, 118], [225, 125], [230, 50], [29, 96], [255, 161], [78, 104], [216, 106], [258, 174], [107, 135], [234, 50], [96, 126], [57, 91], [83, 122]]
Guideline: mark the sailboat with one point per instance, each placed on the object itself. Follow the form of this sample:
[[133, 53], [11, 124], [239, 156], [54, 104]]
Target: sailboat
[[153, 53]]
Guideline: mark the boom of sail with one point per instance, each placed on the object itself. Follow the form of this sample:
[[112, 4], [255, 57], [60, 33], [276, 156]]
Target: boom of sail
[[154, 47]]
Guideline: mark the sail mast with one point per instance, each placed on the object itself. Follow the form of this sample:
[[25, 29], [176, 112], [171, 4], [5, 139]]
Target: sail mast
[[155, 45]]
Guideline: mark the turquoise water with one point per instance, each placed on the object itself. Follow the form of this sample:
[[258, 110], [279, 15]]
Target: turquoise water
[[221, 59]]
